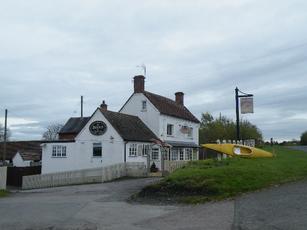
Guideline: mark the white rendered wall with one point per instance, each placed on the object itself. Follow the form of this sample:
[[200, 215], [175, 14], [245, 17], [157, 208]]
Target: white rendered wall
[[177, 134], [150, 116], [80, 153], [140, 158], [19, 162]]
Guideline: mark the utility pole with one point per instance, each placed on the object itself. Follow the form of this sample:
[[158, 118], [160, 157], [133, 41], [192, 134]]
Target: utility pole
[[81, 106], [4, 137], [237, 114]]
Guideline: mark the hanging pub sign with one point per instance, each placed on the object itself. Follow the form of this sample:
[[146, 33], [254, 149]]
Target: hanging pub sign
[[98, 128], [247, 105], [184, 129]]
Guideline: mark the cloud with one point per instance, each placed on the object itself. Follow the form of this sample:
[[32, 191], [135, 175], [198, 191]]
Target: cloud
[[53, 52]]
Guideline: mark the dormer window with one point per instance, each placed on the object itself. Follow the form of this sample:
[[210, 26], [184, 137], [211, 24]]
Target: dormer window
[[144, 105]]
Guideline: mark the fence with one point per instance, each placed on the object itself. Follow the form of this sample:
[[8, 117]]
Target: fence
[[171, 166], [249, 142], [95, 175], [3, 171], [15, 174]]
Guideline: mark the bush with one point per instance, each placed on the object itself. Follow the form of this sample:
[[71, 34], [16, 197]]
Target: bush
[[304, 138]]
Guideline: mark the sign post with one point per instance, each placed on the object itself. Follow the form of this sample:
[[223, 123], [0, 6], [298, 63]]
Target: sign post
[[246, 103]]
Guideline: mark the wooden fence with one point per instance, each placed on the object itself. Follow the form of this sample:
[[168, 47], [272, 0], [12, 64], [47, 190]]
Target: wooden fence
[[15, 174], [171, 166]]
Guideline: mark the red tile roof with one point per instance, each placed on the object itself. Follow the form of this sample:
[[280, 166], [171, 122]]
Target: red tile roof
[[170, 107]]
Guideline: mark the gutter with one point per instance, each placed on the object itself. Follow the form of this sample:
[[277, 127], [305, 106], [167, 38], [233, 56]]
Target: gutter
[[125, 151]]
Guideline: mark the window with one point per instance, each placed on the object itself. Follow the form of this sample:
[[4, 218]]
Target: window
[[58, 151], [188, 154], [144, 105], [195, 153], [145, 150], [174, 155], [155, 154], [132, 150], [181, 154], [63, 151], [97, 150], [170, 129], [190, 132], [54, 151]]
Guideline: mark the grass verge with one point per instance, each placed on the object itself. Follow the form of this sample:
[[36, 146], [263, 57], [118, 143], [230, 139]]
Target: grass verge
[[208, 180], [3, 193]]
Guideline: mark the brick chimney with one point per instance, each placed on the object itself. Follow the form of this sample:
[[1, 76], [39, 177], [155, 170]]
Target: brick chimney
[[104, 106], [139, 84], [179, 98]]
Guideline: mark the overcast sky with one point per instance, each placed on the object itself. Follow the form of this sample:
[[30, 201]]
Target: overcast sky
[[51, 52]]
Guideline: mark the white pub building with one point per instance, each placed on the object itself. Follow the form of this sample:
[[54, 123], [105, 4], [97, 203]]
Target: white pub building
[[148, 126]]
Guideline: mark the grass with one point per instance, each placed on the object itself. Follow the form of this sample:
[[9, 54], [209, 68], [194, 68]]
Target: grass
[[3, 193], [208, 180]]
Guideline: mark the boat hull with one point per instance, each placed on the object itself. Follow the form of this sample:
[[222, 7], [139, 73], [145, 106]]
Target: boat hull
[[238, 150]]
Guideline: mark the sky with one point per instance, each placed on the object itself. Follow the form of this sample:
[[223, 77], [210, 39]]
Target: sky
[[52, 52]]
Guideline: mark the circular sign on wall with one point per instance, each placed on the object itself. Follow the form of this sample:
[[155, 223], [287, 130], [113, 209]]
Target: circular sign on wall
[[98, 128]]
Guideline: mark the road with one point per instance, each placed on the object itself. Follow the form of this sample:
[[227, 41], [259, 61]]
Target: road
[[105, 206], [301, 147]]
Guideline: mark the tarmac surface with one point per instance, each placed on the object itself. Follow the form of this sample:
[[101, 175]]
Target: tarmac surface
[[105, 206], [300, 147]]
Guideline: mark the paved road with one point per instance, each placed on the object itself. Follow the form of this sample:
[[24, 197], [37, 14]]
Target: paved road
[[302, 148], [104, 206], [281, 207]]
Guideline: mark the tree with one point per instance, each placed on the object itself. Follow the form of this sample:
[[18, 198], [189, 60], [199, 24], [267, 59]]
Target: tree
[[223, 128], [304, 138], [8, 133], [52, 131]]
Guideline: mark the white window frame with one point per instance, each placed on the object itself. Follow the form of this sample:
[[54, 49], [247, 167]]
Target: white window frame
[[181, 154], [145, 149], [194, 154], [171, 129], [133, 149], [155, 154], [174, 152], [54, 151], [59, 151], [188, 154]]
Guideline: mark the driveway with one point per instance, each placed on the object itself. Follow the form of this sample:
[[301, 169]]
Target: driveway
[[104, 206]]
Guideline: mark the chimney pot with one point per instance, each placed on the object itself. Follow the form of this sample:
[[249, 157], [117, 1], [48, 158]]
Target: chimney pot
[[139, 84], [104, 106], [179, 98]]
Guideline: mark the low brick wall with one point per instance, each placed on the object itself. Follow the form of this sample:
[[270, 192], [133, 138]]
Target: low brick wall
[[3, 175], [85, 176]]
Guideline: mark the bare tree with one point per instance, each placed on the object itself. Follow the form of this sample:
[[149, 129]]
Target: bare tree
[[52, 132]]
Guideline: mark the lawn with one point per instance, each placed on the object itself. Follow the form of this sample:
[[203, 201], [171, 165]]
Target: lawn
[[213, 180]]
